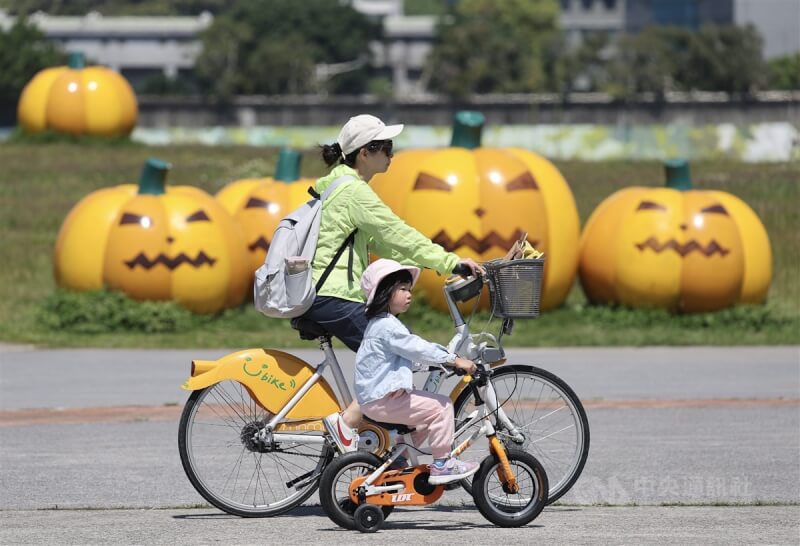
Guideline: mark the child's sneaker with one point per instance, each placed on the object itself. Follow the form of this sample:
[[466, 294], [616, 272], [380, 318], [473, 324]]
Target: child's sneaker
[[451, 471], [345, 437]]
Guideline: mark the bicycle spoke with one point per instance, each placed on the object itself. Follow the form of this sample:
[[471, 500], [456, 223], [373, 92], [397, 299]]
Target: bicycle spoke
[[235, 466], [551, 424]]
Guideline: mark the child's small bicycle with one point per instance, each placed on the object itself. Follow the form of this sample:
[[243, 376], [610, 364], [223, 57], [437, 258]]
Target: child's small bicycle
[[359, 490]]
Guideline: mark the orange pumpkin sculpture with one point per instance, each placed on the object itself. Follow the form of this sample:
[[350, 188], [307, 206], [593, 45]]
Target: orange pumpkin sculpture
[[477, 201], [154, 243], [78, 100], [259, 204], [675, 248]]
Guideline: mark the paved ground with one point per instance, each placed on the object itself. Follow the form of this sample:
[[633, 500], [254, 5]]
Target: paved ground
[[424, 526], [690, 426]]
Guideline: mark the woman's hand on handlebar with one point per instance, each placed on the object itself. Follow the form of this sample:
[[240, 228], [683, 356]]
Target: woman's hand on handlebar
[[467, 366], [468, 266]]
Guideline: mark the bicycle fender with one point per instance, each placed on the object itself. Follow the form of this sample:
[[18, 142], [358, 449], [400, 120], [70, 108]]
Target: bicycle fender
[[271, 377], [461, 385]]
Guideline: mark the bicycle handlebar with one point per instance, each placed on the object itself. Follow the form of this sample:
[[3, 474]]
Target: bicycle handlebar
[[462, 270]]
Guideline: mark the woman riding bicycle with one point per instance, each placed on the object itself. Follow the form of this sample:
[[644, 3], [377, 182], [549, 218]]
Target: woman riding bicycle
[[362, 150]]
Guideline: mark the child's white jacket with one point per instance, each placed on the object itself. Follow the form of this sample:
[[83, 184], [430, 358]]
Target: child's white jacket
[[387, 356]]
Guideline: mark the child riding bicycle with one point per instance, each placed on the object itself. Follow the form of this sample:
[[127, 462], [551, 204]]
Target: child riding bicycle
[[383, 382]]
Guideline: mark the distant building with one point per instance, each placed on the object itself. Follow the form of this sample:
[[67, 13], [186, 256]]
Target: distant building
[[680, 13], [138, 47], [581, 17], [778, 21], [143, 47]]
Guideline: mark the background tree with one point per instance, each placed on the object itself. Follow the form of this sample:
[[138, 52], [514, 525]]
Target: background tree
[[485, 46], [581, 68], [646, 62], [24, 51], [662, 59], [723, 58], [218, 66], [273, 46], [784, 72], [280, 66]]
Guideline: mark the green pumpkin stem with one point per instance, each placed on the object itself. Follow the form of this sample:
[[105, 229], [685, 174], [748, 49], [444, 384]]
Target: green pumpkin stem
[[677, 174], [288, 168], [467, 127], [154, 177], [76, 60]]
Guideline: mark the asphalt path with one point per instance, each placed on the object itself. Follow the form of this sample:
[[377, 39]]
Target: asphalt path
[[715, 428]]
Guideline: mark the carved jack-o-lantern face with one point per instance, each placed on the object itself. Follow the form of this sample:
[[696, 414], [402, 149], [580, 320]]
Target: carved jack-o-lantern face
[[477, 219], [162, 259], [258, 205], [180, 244], [682, 250], [476, 203]]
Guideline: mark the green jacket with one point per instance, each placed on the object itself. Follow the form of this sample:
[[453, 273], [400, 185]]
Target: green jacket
[[354, 205]]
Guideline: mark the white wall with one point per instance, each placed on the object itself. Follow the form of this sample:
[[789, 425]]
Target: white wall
[[778, 21]]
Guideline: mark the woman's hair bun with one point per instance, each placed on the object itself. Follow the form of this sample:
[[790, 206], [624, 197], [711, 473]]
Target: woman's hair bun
[[331, 153]]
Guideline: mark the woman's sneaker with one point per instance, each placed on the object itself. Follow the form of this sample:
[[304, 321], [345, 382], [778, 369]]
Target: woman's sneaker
[[451, 471], [345, 437]]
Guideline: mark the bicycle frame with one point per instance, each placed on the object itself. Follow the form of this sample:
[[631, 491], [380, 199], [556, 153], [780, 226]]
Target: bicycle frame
[[462, 343], [291, 427]]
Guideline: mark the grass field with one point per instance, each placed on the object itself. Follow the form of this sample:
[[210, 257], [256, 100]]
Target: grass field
[[39, 183]]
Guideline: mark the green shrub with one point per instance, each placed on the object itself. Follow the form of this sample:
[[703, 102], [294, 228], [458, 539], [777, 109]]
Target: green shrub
[[105, 311], [741, 317], [49, 136]]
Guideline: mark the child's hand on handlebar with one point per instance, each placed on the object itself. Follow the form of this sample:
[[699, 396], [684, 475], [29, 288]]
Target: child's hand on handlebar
[[467, 366]]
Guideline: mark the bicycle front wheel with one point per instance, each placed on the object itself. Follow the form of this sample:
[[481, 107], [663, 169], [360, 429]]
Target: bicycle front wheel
[[549, 416], [232, 468], [498, 503]]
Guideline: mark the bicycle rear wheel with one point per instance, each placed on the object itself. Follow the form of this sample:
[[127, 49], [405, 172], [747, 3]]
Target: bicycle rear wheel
[[334, 488], [234, 470], [549, 415]]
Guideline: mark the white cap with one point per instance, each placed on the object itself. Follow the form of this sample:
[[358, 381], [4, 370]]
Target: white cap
[[362, 129]]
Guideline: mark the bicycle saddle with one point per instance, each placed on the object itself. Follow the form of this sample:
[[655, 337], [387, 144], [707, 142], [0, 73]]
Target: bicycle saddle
[[309, 329], [401, 429]]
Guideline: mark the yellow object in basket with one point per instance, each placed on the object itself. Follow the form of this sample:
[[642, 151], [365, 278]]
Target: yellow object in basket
[[529, 252]]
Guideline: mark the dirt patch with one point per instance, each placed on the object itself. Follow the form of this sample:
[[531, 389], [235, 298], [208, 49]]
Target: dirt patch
[[131, 414], [74, 416]]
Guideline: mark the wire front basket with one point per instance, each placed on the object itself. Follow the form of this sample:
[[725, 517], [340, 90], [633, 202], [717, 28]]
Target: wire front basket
[[515, 287]]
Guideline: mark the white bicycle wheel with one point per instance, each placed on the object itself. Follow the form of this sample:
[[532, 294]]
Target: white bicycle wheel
[[234, 470], [549, 415]]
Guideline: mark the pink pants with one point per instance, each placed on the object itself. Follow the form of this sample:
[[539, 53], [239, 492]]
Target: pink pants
[[430, 414]]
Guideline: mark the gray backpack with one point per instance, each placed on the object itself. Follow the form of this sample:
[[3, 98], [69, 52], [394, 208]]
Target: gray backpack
[[283, 285]]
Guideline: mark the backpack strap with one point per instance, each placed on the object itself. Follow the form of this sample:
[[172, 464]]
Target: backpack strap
[[349, 242]]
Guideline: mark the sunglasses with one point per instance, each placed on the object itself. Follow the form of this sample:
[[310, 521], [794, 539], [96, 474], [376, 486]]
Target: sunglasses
[[384, 146]]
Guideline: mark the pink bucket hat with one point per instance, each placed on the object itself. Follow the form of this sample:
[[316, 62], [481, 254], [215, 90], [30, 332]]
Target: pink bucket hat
[[378, 270]]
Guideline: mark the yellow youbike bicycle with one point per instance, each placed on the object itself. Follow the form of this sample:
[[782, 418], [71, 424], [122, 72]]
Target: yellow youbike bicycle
[[251, 438]]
